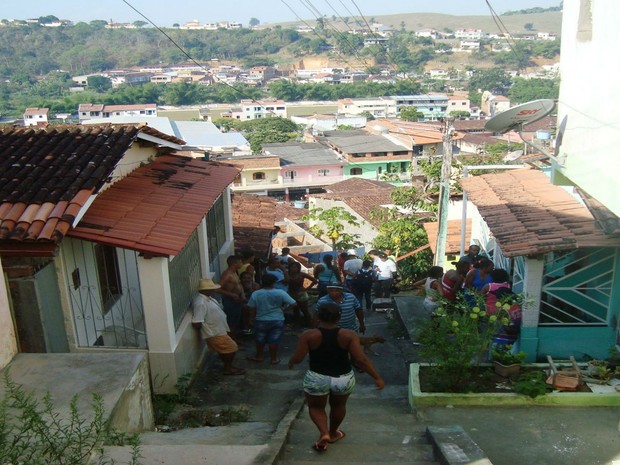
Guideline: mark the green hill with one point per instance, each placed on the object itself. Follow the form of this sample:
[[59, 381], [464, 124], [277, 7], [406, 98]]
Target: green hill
[[542, 22]]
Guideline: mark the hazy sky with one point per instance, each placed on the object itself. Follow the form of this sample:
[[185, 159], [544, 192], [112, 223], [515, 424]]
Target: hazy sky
[[167, 12]]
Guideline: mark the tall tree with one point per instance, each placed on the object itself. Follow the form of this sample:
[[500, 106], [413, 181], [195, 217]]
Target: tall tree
[[495, 80], [330, 224]]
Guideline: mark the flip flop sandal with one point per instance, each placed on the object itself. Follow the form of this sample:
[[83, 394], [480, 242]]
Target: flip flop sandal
[[238, 371], [317, 446], [340, 435]]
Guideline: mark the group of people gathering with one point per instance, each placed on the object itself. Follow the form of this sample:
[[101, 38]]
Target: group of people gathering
[[332, 340], [474, 276]]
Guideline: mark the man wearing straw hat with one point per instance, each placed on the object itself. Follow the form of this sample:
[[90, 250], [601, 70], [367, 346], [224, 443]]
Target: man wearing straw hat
[[209, 317]]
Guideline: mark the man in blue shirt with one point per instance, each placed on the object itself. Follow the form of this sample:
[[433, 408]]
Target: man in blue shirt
[[350, 309], [267, 306]]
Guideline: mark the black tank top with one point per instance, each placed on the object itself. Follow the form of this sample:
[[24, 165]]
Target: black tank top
[[329, 358]]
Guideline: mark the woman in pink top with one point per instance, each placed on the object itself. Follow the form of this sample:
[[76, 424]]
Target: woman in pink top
[[498, 287]]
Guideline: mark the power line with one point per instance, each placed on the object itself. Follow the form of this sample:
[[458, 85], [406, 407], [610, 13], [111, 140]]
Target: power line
[[189, 57], [376, 37], [314, 30], [499, 23]]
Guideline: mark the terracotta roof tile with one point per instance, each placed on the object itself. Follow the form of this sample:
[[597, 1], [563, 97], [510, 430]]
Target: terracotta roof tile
[[253, 218], [453, 238], [529, 215], [362, 195], [157, 207], [47, 175]]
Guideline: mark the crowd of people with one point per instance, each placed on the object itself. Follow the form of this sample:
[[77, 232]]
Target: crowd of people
[[474, 277], [344, 285]]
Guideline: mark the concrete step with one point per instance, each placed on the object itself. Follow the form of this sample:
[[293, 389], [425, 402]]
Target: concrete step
[[248, 433], [187, 454], [307, 434], [358, 453], [326, 459]]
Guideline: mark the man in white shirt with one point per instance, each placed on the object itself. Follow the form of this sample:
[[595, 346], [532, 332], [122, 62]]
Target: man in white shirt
[[386, 269], [209, 317], [350, 269]]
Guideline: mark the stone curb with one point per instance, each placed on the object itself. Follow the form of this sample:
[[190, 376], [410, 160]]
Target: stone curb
[[278, 439], [453, 446]]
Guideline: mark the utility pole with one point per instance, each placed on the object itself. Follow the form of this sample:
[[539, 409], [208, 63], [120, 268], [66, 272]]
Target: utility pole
[[444, 194]]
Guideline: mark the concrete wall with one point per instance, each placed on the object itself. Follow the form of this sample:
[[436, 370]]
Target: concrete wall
[[8, 341], [588, 102], [120, 378]]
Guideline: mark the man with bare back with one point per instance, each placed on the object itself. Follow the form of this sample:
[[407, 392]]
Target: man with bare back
[[232, 293]]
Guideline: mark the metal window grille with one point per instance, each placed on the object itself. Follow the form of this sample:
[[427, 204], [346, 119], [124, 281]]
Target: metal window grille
[[577, 287], [184, 274], [99, 320]]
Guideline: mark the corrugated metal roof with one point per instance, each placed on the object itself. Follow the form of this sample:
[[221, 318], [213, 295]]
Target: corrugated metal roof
[[359, 141], [528, 215], [157, 207]]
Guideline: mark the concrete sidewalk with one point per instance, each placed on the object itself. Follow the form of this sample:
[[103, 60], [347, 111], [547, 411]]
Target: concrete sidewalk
[[527, 435], [508, 436]]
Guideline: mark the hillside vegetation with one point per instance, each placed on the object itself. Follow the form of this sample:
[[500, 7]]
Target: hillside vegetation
[[37, 63]]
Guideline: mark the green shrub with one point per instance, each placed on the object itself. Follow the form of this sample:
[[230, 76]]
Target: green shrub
[[33, 431], [456, 339], [532, 384]]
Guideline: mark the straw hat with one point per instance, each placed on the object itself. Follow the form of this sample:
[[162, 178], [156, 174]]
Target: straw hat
[[207, 285]]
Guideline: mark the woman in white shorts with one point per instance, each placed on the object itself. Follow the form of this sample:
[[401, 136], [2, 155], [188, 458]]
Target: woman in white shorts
[[330, 377]]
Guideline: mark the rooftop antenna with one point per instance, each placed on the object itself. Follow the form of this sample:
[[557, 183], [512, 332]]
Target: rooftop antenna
[[517, 117]]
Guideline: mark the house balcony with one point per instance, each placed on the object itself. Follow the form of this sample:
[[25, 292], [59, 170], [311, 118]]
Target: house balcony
[[377, 158], [246, 185]]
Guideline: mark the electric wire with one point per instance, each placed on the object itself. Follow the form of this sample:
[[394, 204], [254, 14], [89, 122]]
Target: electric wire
[[395, 64], [190, 58], [509, 39], [312, 9]]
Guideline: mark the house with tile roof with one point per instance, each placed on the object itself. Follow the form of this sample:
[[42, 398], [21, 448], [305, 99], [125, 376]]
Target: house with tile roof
[[558, 234], [359, 197], [369, 156], [104, 235], [36, 116], [88, 111], [557, 255]]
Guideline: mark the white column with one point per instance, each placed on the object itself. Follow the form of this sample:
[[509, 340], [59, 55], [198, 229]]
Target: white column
[[532, 288], [157, 301]]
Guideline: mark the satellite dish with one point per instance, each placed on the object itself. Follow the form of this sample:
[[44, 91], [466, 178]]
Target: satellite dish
[[512, 156], [519, 116]]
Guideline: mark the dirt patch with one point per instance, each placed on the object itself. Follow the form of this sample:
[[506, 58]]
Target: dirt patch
[[481, 379]]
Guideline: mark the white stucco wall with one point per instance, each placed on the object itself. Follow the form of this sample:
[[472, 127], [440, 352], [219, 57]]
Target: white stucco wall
[[8, 342], [588, 103]]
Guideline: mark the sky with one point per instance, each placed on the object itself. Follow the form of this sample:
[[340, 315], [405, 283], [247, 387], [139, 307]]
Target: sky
[[166, 13]]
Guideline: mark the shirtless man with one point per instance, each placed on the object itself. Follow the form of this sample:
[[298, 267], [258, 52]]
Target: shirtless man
[[232, 293]]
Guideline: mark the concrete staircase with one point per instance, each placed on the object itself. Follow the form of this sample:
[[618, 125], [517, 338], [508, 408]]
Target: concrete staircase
[[380, 430]]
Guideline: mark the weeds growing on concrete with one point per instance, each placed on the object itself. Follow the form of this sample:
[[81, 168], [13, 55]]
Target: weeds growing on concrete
[[33, 431]]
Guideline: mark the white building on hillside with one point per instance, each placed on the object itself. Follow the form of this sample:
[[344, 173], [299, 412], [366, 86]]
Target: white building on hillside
[[88, 111]]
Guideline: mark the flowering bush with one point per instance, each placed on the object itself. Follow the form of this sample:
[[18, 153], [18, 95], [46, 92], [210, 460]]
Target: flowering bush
[[458, 337]]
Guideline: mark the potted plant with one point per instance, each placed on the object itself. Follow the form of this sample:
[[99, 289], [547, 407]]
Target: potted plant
[[507, 363]]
